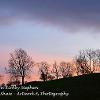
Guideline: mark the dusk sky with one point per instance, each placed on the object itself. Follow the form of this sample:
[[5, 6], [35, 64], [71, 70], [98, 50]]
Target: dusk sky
[[50, 30]]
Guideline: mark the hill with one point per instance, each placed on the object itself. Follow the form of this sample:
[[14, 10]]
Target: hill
[[80, 87], [73, 88]]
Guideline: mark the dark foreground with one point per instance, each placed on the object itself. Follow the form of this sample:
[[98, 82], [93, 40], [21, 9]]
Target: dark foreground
[[85, 87]]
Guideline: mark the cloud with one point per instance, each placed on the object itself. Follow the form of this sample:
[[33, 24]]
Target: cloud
[[71, 15]]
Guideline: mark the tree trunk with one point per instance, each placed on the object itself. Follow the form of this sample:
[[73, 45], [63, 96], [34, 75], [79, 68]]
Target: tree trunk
[[23, 80]]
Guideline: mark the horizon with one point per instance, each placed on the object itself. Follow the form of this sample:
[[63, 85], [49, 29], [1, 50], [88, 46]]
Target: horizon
[[49, 30]]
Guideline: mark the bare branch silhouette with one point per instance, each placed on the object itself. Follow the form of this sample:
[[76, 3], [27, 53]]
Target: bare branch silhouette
[[44, 71], [20, 64], [66, 69], [55, 70]]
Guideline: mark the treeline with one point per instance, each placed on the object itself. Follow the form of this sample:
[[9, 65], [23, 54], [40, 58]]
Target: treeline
[[20, 65]]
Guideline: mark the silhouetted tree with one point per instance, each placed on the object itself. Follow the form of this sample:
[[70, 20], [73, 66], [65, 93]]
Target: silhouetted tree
[[66, 69], [17, 82], [82, 64], [3, 85], [97, 60], [90, 56], [13, 80], [51, 77], [20, 64], [44, 71], [56, 70]]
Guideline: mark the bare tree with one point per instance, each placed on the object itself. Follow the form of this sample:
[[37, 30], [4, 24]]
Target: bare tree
[[66, 69], [51, 77], [55, 70], [82, 64], [97, 60], [20, 64], [63, 69], [16, 82], [44, 71], [90, 56], [13, 80]]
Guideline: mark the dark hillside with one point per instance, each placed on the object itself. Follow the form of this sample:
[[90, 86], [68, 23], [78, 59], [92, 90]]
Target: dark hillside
[[87, 86]]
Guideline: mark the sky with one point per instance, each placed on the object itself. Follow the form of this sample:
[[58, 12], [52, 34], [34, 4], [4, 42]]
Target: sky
[[49, 30]]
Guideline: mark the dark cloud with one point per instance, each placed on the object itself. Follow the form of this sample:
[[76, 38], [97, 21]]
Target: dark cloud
[[66, 13]]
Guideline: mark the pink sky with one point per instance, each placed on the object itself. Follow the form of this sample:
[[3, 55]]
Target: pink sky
[[37, 57], [54, 30]]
